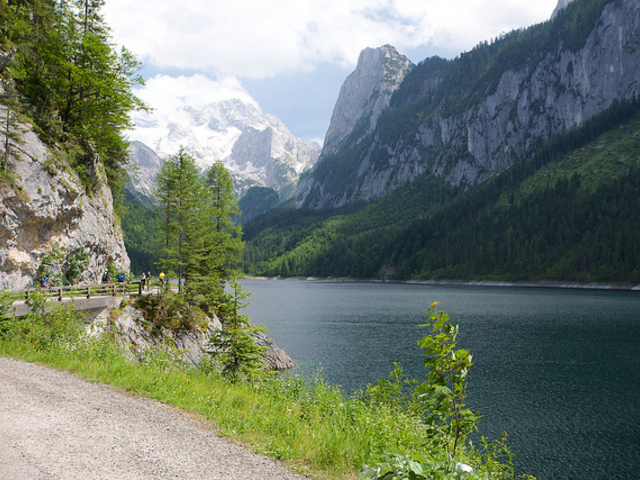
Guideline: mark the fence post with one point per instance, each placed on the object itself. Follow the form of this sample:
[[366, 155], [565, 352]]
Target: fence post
[[60, 294], [88, 292]]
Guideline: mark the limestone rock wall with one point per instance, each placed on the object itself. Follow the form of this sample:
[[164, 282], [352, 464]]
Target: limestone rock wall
[[366, 93], [47, 208]]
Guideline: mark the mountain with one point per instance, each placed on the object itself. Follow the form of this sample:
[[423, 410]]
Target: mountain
[[467, 119], [518, 161], [147, 164], [257, 149], [567, 215], [562, 4], [366, 93]]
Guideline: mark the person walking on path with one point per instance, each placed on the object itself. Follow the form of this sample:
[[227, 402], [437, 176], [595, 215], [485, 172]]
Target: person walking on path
[[148, 280]]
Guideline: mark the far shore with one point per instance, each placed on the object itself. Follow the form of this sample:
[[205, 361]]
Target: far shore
[[471, 283]]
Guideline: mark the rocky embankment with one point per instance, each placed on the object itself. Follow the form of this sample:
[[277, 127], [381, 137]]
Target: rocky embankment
[[136, 335]]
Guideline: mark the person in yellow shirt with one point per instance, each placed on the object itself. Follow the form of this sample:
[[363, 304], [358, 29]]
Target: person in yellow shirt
[[161, 279]]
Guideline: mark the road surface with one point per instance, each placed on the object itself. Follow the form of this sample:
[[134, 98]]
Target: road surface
[[54, 425]]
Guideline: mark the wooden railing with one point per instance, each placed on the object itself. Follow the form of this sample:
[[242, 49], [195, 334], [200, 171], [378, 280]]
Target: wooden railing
[[80, 291]]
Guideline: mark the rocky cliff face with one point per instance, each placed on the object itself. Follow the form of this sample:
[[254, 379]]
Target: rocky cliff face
[[257, 149], [562, 4], [546, 96], [45, 209], [147, 163], [366, 93]]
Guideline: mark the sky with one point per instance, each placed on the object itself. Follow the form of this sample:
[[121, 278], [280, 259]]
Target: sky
[[290, 57]]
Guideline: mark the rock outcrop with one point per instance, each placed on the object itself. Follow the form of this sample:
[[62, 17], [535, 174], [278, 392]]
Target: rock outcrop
[[562, 4], [147, 164], [44, 209], [136, 335], [366, 93], [554, 85]]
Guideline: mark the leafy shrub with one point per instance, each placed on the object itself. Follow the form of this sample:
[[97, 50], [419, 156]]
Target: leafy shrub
[[440, 399]]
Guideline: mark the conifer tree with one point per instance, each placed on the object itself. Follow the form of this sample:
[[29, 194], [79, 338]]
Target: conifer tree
[[77, 84], [182, 200], [225, 246], [234, 346], [200, 240], [9, 122]]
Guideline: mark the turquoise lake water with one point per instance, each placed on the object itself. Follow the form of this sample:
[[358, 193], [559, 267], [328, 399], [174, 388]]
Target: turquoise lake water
[[558, 369]]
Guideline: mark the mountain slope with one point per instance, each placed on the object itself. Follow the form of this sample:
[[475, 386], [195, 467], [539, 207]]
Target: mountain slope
[[257, 149], [568, 214], [466, 120]]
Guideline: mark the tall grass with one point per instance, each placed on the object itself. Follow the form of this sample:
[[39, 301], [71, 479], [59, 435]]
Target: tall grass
[[311, 425]]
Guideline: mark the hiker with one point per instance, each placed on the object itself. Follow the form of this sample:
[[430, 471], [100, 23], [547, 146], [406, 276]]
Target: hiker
[[148, 280], [161, 279], [143, 278]]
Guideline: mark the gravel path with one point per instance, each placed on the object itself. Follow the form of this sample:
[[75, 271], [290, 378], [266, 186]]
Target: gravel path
[[54, 425]]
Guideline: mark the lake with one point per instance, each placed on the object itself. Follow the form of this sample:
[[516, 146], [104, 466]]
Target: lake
[[558, 369]]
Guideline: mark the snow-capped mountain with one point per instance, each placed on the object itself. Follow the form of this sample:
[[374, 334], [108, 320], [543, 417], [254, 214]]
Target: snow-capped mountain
[[257, 148]]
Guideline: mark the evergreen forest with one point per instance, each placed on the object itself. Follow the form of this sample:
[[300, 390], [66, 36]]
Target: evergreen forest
[[62, 73], [568, 214]]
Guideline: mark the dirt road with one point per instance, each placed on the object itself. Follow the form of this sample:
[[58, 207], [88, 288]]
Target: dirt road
[[54, 425]]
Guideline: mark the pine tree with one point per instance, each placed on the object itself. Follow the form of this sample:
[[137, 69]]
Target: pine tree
[[183, 203], [200, 240], [79, 87], [225, 247], [10, 122], [234, 346]]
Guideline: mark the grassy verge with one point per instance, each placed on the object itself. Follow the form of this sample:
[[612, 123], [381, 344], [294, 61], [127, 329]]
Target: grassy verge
[[310, 425]]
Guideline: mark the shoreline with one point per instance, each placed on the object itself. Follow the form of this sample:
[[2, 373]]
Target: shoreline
[[472, 283]]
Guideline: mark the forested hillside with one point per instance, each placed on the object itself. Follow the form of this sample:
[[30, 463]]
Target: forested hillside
[[469, 118], [569, 213], [65, 75]]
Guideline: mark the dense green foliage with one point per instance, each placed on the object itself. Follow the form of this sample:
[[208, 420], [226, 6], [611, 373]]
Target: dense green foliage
[[303, 421], [75, 85], [198, 239], [256, 201], [234, 347], [139, 226], [567, 214], [199, 243]]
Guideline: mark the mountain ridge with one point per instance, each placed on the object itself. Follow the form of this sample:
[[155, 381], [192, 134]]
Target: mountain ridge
[[567, 216], [466, 120], [257, 148]]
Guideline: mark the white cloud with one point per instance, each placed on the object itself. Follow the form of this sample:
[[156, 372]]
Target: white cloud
[[263, 38], [166, 95], [276, 39]]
